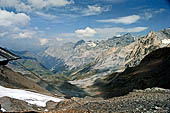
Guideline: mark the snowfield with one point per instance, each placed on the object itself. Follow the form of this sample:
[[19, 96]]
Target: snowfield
[[27, 96]]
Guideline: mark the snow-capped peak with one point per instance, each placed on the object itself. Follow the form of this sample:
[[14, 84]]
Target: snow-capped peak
[[91, 44]]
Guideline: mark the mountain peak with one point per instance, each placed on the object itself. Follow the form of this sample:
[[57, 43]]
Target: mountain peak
[[151, 33], [127, 34], [78, 43]]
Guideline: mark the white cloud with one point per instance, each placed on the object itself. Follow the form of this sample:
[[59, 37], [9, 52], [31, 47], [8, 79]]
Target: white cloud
[[17, 4], [100, 33], [43, 41], [109, 32], [149, 13], [87, 32], [59, 39], [3, 34], [13, 19], [112, 1], [47, 16], [159, 11], [123, 20], [94, 10], [135, 29], [39, 4], [32, 5]]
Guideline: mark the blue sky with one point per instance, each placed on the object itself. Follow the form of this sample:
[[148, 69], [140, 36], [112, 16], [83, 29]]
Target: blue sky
[[28, 24]]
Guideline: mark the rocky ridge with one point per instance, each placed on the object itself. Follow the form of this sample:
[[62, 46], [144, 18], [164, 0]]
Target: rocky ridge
[[118, 59], [72, 56]]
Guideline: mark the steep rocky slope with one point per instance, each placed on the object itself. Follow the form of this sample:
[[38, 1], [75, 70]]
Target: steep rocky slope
[[151, 42], [56, 85], [12, 82], [30, 61], [9, 78], [118, 59], [153, 71]]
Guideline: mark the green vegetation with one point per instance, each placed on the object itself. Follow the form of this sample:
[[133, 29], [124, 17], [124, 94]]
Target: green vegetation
[[31, 63]]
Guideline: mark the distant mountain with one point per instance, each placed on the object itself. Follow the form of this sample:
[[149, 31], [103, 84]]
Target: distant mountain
[[78, 43], [73, 56], [86, 58], [120, 41]]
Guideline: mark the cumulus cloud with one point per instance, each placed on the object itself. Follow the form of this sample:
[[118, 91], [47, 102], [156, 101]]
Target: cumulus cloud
[[87, 32], [16, 4], [43, 41], [13, 19], [101, 33], [39, 4], [112, 1], [123, 20], [32, 5], [94, 10]]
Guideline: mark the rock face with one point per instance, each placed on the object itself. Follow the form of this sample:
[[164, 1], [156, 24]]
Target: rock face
[[9, 78], [153, 71], [118, 59], [146, 45], [14, 105], [71, 56]]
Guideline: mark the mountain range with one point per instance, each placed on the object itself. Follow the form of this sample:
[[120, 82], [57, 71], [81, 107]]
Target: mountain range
[[100, 69]]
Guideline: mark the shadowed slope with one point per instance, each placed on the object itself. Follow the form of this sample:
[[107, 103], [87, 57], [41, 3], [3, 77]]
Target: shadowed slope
[[153, 71]]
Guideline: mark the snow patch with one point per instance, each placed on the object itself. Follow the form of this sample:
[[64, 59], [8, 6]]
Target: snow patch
[[27, 96], [46, 110], [3, 110], [119, 35], [166, 41], [91, 44]]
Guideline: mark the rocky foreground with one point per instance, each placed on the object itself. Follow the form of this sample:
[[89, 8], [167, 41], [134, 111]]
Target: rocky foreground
[[150, 100]]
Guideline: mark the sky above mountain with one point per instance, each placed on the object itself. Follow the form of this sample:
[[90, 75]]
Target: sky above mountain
[[29, 24]]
